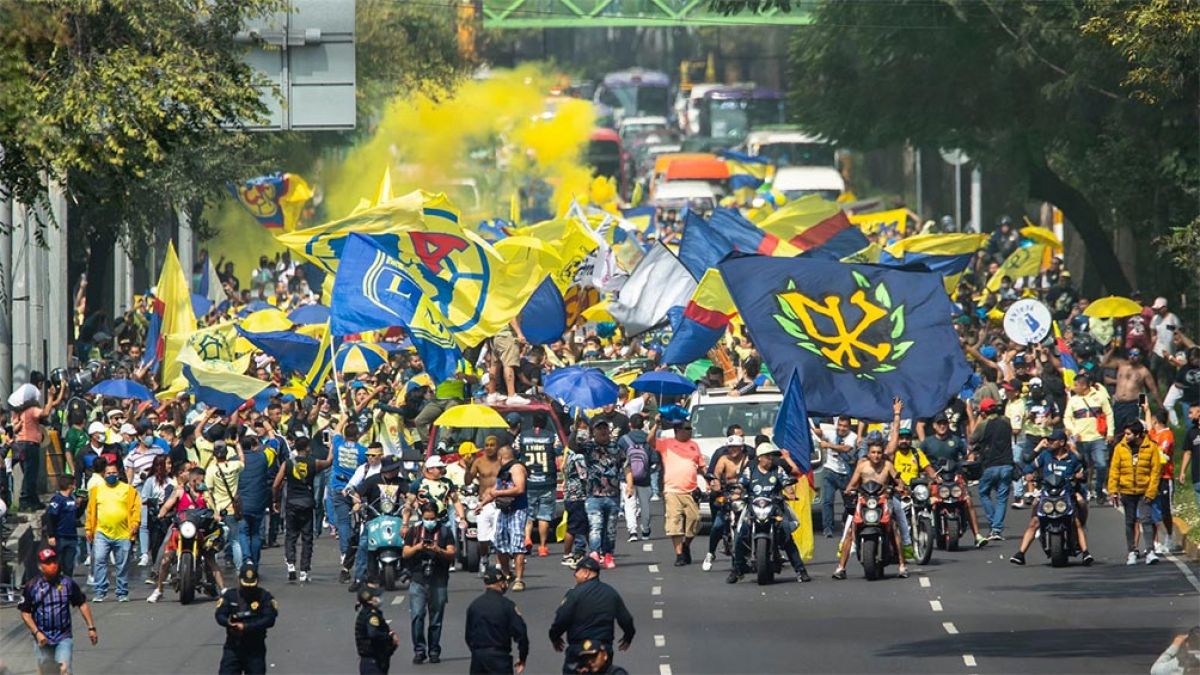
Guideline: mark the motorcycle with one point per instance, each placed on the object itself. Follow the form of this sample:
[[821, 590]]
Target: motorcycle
[[468, 553], [730, 501], [766, 531], [873, 530], [949, 514], [919, 504], [1056, 520], [386, 542], [199, 535]]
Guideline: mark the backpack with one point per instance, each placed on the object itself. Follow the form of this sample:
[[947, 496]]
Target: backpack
[[639, 461]]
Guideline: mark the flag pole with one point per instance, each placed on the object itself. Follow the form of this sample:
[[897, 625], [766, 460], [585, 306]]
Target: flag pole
[[337, 385]]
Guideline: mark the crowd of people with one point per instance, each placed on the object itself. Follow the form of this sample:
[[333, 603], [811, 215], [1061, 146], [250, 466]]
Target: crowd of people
[[1100, 406]]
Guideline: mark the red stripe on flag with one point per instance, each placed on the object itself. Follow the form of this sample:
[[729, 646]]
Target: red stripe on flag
[[768, 245], [822, 232], [709, 318]]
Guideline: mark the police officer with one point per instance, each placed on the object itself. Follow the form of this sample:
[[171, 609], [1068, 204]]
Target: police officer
[[493, 623], [246, 613], [587, 614], [375, 641]]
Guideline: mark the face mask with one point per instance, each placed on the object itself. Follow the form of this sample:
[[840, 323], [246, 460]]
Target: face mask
[[147, 440], [591, 355], [201, 488], [112, 480], [429, 524]]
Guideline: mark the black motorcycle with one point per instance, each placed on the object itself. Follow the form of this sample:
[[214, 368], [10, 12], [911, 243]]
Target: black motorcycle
[[729, 501], [919, 504], [767, 529], [468, 552], [1056, 512], [199, 535], [949, 509]]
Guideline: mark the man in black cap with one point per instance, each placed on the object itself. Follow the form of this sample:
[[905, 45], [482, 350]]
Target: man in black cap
[[385, 492], [493, 624], [373, 638], [246, 613], [587, 613]]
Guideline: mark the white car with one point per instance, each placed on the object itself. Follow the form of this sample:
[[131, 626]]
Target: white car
[[713, 411], [797, 181], [677, 194], [631, 127], [791, 147]]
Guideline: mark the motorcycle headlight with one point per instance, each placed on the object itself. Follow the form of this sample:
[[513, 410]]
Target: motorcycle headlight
[[739, 506], [872, 502], [762, 512], [188, 529], [1060, 506], [943, 492], [871, 516], [921, 493], [1047, 507], [388, 507], [956, 492]]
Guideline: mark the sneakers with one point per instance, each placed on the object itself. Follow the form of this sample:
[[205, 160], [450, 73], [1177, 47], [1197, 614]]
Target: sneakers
[[98, 599], [802, 577], [122, 598], [655, 498], [1018, 503], [304, 576], [1087, 559], [646, 534], [569, 560], [344, 576], [609, 563], [517, 399], [291, 572], [902, 573], [708, 562], [144, 561], [839, 573], [1017, 558], [518, 586], [995, 535], [829, 534], [909, 552], [732, 578], [632, 537], [154, 597], [680, 561], [356, 586], [1161, 548], [1131, 559], [1151, 558], [980, 541], [543, 551]]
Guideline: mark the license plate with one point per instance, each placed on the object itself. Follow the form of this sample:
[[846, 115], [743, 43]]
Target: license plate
[[472, 532]]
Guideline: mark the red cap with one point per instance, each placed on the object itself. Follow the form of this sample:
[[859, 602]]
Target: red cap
[[987, 404], [47, 554]]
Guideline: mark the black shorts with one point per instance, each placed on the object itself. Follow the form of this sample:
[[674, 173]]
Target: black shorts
[[577, 520]]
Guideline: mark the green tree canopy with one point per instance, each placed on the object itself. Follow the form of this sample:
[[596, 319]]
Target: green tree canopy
[[1093, 104]]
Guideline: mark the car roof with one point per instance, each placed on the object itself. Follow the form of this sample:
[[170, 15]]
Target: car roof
[[809, 178], [647, 119], [764, 394], [781, 136], [683, 189]]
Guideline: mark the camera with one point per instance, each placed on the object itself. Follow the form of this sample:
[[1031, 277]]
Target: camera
[[79, 379]]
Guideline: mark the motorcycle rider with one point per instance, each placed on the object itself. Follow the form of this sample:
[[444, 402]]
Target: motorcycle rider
[[1055, 457], [387, 486], [765, 479], [190, 496], [728, 470], [875, 467], [946, 449], [435, 487]]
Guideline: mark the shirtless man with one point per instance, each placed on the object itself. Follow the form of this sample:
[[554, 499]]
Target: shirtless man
[[1133, 379], [728, 470], [875, 467], [484, 469]]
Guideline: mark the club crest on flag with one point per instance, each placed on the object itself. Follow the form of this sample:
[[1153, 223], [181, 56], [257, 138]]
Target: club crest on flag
[[261, 198], [860, 334], [211, 346]]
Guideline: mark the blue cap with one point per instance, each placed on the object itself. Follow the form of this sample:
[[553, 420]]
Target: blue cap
[[988, 351]]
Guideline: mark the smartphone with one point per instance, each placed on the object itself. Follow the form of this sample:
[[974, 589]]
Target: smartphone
[[1141, 400]]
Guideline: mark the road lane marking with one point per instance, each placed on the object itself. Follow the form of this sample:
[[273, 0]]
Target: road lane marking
[[657, 613], [950, 628], [656, 590], [647, 547], [969, 660], [924, 582], [664, 669], [398, 599], [660, 640], [935, 605], [1187, 573], [654, 569]]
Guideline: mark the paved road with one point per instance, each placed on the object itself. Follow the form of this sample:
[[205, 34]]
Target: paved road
[[966, 612]]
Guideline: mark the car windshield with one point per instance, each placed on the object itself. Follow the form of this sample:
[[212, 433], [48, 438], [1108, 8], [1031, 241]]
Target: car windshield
[[710, 420], [798, 154], [829, 195]]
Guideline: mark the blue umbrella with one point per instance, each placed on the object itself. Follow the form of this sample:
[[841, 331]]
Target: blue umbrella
[[663, 383], [359, 357], [255, 306], [309, 314], [122, 389], [579, 387]]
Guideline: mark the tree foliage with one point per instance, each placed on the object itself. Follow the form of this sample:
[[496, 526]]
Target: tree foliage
[[1095, 111]]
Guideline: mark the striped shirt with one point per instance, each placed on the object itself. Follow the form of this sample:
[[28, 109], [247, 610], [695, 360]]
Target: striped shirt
[[50, 605]]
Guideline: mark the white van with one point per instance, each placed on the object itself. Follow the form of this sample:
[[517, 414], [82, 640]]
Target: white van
[[797, 181]]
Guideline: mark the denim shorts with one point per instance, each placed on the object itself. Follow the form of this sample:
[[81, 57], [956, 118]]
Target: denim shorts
[[51, 654], [541, 506]]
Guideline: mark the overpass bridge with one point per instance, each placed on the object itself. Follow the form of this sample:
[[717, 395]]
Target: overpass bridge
[[606, 13]]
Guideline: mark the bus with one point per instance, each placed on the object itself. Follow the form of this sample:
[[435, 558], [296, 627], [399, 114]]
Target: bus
[[730, 113], [606, 156], [633, 93]]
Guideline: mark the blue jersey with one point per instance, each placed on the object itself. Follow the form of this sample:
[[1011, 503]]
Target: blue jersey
[[347, 456], [1046, 464]]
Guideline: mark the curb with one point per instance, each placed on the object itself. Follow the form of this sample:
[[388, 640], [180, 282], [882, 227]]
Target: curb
[[1190, 543]]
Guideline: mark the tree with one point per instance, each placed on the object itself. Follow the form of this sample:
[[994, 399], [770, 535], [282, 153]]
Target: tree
[[1023, 86]]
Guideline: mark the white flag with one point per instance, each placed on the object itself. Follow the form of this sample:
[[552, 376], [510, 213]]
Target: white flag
[[657, 284]]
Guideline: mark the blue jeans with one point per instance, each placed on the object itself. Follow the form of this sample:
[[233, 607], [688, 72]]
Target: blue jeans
[[144, 534], [66, 549], [101, 545], [602, 513], [423, 599], [341, 521], [234, 552], [656, 482], [717, 531], [832, 485], [998, 479], [1196, 487], [360, 556], [321, 505], [1018, 450], [50, 656], [1096, 453], [250, 535]]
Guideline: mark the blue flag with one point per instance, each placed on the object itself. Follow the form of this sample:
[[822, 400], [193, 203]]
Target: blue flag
[[294, 351], [544, 317], [702, 246], [372, 290], [792, 432], [855, 335]]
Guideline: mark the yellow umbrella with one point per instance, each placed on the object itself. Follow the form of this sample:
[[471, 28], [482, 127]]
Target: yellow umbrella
[[598, 312], [471, 416], [1041, 235], [1112, 307]]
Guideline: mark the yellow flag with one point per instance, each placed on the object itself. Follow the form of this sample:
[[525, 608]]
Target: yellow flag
[[892, 223], [1024, 262], [175, 294], [514, 210], [293, 201], [322, 366], [384, 192], [802, 507]]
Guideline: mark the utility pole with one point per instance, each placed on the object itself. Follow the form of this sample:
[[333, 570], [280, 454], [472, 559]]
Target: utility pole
[[6, 232], [976, 199]]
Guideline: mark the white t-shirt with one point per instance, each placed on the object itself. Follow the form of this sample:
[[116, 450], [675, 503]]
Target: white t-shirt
[[1163, 336], [836, 461]]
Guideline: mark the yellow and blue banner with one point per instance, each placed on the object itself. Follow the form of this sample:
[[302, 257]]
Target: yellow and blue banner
[[947, 254], [1026, 261], [275, 200], [815, 226], [890, 225], [703, 321], [293, 352], [322, 365], [855, 335], [170, 310]]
